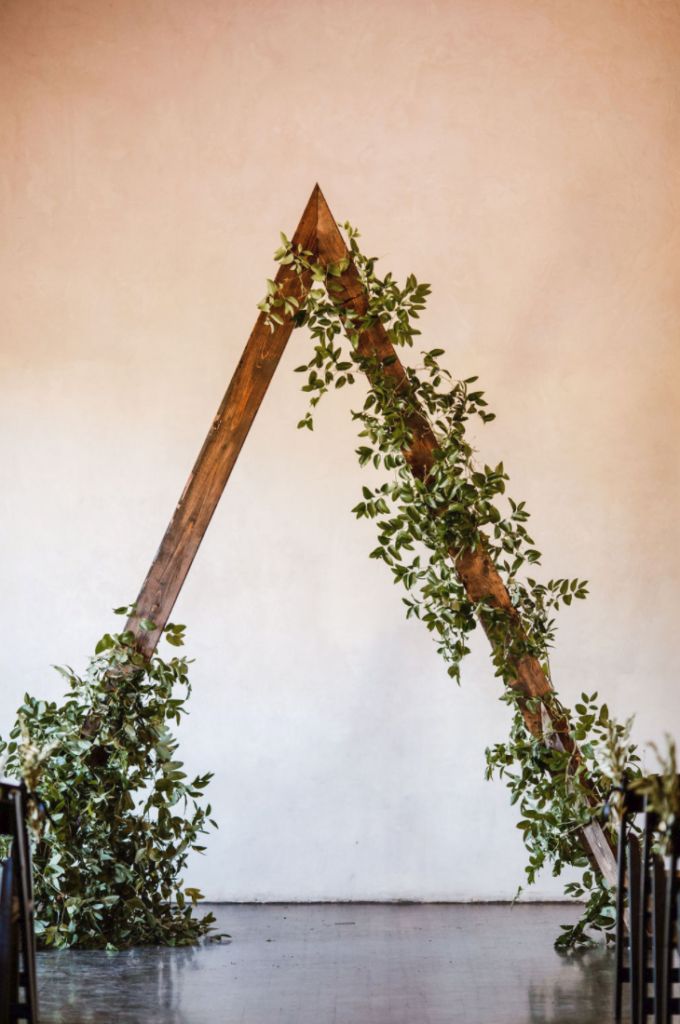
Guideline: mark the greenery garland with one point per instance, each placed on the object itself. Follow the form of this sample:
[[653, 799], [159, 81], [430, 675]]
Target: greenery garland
[[457, 507], [122, 815], [109, 861]]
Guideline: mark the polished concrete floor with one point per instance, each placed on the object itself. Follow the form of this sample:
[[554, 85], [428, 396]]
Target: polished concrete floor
[[343, 964]]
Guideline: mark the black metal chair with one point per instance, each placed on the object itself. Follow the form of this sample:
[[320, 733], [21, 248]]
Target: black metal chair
[[18, 988], [647, 917]]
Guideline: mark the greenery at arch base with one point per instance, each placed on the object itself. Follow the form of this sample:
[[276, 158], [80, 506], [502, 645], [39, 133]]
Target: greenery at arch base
[[123, 816]]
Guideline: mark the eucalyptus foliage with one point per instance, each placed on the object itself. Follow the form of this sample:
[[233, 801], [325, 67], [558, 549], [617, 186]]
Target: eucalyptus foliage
[[122, 815], [425, 522]]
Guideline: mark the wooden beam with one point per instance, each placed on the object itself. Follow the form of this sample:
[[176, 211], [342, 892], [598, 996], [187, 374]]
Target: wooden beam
[[481, 579], [318, 233], [218, 455]]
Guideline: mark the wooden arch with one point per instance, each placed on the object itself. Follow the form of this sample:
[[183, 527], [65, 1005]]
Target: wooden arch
[[318, 233]]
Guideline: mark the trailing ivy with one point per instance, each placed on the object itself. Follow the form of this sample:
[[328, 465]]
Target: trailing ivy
[[426, 522], [122, 815]]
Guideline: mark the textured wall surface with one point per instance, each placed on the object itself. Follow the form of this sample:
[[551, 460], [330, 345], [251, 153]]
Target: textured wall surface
[[522, 156]]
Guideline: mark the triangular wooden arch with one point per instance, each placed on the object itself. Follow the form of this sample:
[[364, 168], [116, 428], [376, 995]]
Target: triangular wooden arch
[[319, 233]]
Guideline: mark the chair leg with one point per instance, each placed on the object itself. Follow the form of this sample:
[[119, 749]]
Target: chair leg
[[634, 919], [9, 956], [669, 928], [21, 852], [619, 934], [658, 932], [646, 922]]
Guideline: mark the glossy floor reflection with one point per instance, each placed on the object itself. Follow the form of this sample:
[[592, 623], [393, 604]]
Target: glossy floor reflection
[[343, 964]]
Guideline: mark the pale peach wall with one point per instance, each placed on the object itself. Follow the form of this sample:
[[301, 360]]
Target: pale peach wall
[[522, 155]]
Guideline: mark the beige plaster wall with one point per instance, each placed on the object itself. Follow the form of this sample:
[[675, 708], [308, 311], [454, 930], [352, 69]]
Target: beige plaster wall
[[522, 156]]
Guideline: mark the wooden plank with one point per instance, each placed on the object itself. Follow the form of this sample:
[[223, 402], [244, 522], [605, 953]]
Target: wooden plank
[[216, 459], [480, 577], [319, 233]]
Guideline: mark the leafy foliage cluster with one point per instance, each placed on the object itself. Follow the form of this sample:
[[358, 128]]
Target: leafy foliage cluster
[[662, 790], [425, 524], [122, 813], [557, 797]]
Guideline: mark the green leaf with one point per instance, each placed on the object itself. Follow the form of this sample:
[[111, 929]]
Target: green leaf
[[108, 774]]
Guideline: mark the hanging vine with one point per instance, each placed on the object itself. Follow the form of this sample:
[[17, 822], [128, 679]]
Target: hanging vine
[[427, 522]]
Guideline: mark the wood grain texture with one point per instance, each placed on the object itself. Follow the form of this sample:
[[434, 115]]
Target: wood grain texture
[[218, 455], [480, 577]]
